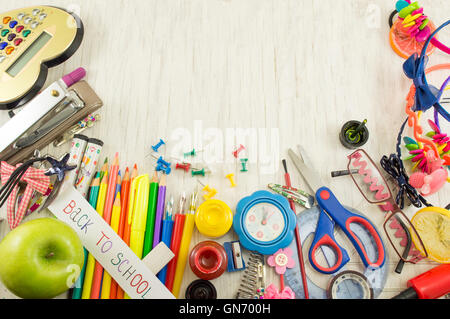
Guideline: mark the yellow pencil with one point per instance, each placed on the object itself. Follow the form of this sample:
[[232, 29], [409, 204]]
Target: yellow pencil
[[115, 218]]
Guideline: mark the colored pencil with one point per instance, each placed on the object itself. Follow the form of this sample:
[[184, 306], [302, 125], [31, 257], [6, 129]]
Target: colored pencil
[[175, 242], [159, 211], [98, 270], [127, 226], [166, 235], [113, 173], [183, 252], [107, 280], [151, 215], [298, 241], [93, 195]]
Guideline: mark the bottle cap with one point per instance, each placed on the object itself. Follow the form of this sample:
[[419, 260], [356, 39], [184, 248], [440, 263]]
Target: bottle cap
[[74, 76], [213, 218], [201, 289]]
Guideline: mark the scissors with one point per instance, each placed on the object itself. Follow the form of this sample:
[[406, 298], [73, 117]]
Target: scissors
[[331, 213]]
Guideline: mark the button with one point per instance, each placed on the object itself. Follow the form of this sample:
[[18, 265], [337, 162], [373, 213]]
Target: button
[[12, 24], [43, 16], [4, 32], [21, 15], [34, 25], [6, 20], [18, 41], [3, 45], [27, 20], [35, 12], [19, 28], [1, 26], [2, 58], [9, 50], [26, 33], [11, 37]]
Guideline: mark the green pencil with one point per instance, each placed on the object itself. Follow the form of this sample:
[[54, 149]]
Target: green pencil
[[151, 215], [93, 196]]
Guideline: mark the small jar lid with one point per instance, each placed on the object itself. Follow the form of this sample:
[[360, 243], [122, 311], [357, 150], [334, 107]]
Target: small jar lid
[[213, 218]]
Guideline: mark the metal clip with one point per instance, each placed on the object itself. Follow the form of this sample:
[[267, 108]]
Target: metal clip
[[77, 129]]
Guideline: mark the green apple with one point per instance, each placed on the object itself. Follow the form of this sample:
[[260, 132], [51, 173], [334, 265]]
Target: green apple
[[40, 259]]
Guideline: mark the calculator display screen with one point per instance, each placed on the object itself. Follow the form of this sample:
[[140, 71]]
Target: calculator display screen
[[29, 53]]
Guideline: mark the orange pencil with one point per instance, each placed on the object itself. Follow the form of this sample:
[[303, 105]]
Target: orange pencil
[[127, 227], [113, 172]]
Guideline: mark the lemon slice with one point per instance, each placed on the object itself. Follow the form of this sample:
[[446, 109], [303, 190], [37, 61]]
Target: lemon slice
[[433, 226]]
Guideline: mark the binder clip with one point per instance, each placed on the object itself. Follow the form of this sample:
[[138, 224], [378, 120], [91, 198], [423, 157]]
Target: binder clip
[[49, 115]]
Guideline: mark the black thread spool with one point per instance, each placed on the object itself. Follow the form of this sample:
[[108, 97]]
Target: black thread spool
[[354, 134], [201, 289]]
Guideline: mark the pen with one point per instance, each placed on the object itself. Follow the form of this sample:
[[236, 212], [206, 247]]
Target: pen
[[137, 212], [151, 215], [188, 229]]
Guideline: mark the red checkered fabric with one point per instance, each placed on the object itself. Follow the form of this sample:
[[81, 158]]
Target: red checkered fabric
[[35, 179]]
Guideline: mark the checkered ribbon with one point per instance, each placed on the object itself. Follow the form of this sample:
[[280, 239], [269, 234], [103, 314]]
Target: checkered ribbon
[[35, 180]]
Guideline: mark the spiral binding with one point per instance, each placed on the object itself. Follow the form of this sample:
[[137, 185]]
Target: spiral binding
[[252, 282]]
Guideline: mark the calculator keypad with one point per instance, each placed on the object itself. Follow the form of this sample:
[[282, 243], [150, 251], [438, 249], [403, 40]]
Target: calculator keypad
[[14, 30]]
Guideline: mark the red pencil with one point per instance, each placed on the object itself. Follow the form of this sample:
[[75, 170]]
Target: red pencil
[[175, 243], [124, 190], [297, 238], [111, 189]]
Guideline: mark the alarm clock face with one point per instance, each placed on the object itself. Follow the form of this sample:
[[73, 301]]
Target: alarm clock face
[[264, 222]]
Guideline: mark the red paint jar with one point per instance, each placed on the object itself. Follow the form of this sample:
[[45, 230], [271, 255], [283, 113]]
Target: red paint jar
[[208, 260]]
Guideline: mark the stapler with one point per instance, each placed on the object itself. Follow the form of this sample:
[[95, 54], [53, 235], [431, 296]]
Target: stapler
[[48, 116]]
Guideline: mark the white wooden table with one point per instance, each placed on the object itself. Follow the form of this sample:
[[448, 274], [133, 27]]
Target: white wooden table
[[269, 74]]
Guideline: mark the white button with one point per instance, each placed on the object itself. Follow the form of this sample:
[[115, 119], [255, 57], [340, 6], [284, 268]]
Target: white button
[[35, 11], [1, 27], [27, 20], [20, 16], [34, 25], [2, 58], [43, 16]]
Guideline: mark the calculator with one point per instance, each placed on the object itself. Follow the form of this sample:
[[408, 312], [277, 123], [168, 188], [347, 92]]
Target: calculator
[[32, 40]]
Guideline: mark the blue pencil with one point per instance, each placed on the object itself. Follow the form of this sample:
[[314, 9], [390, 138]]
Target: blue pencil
[[166, 235]]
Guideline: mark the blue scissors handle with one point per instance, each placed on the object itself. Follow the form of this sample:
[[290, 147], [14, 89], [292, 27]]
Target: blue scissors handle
[[324, 236], [343, 218]]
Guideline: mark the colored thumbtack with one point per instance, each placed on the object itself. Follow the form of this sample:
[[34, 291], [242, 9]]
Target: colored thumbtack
[[162, 162], [210, 192], [230, 177], [185, 166], [192, 153], [244, 164], [354, 134], [157, 146], [239, 150], [162, 168], [201, 172]]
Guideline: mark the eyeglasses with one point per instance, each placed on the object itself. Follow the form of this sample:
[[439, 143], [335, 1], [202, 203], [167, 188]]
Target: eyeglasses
[[400, 232]]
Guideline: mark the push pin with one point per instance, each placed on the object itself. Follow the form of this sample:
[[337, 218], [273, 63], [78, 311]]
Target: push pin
[[162, 162], [230, 177], [184, 166], [201, 172], [162, 168], [192, 153], [157, 146], [244, 164], [239, 150], [354, 134], [210, 192]]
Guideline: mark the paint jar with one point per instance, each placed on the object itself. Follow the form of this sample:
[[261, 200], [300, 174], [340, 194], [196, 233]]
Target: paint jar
[[208, 260]]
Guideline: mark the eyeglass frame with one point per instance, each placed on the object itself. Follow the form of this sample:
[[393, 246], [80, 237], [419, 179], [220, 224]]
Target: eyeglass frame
[[390, 200]]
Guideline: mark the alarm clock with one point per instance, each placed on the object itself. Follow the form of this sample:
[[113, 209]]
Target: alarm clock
[[32, 40], [264, 222]]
